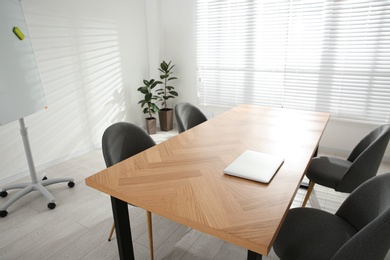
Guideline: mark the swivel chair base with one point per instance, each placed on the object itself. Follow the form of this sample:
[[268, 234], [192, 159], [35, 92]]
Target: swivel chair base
[[27, 188], [35, 184]]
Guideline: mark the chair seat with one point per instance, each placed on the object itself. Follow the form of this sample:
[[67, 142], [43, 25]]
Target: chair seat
[[296, 241], [327, 171]]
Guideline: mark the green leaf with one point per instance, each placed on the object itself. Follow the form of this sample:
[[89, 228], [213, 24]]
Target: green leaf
[[164, 66], [153, 85], [154, 106], [143, 90], [172, 78], [148, 96], [174, 93]]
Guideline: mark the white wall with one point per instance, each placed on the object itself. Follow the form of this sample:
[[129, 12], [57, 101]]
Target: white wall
[[92, 56], [178, 25]]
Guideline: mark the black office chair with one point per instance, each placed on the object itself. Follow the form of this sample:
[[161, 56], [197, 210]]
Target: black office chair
[[188, 116], [361, 165], [360, 229], [121, 141]]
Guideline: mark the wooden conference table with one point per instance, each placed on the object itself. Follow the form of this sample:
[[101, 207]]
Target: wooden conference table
[[182, 178]]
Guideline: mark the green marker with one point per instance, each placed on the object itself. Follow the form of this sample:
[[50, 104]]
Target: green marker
[[18, 33]]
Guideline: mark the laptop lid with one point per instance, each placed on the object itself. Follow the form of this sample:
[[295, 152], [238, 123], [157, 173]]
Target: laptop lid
[[255, 166]]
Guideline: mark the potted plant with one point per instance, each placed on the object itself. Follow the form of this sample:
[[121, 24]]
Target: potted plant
[[165, 93], [148, 104]]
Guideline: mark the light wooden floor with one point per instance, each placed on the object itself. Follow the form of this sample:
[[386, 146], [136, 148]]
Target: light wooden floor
[[78, 227]]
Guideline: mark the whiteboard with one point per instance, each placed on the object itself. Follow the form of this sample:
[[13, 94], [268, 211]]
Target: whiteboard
[[21, 90]]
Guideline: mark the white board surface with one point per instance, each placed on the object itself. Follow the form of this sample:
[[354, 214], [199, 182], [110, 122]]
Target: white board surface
[[21, 90]]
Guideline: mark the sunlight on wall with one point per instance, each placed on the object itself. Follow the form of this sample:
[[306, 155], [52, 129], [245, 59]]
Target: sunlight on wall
[[81, 70], [81, 53]]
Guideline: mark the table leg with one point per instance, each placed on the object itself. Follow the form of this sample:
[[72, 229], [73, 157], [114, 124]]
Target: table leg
[[122, 229], [253, 256], [305, 185]]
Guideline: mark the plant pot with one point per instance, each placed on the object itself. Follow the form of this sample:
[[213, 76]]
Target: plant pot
[[166, 119], [150, 125]]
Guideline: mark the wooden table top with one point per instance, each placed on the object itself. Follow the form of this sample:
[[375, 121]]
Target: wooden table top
[[182, 178]]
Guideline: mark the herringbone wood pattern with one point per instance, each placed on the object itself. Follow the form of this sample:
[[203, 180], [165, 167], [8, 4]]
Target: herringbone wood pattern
[[182, 179]]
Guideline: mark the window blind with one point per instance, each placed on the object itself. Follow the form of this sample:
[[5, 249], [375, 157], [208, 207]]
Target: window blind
[[315, 55]]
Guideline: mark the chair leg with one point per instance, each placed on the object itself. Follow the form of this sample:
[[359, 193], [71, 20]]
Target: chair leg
[[111, 232], [150, 232], [309, 190]]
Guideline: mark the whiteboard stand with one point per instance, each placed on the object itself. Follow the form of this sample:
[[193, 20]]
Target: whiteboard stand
[[35, 184]]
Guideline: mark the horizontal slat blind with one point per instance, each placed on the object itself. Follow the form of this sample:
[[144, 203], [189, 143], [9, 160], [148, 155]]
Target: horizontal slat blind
[[317, 55]]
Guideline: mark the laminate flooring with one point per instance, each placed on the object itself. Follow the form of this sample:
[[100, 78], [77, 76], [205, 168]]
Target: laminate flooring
[[79, 226]]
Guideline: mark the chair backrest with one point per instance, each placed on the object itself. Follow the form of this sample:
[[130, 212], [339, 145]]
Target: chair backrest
[[366, 158], [123, 140], [368, 210], [188, 116]]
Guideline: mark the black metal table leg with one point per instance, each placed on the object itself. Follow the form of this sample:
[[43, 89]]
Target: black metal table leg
[[253, 256], [305, 185], [122, 229]]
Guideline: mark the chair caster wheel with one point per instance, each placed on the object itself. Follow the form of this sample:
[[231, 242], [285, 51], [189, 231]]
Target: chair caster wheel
[[71, 184], [3, 213], [3, 194], [51, 205]]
